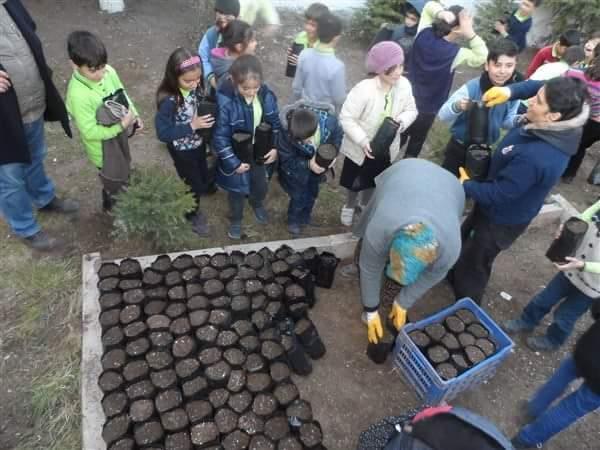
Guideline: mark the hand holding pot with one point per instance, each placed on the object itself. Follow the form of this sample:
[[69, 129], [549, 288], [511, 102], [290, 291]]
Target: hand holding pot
[[292, 59], [271, 156], [199, 122], [243, 167], [572, 264], [374, 327], [314, 167], [398, 316], [462, 104], [4, 82], [367, 150]]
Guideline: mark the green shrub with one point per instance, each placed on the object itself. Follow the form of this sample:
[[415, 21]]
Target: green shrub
[[366, 21], [583, 15], [488, 12], [153, 207]]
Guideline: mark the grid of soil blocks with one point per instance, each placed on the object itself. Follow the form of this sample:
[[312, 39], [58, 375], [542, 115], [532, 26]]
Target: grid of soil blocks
[[199, 351], [456, 344]]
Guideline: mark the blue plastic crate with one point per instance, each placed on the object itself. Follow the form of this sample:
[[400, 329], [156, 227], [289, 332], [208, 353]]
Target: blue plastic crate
[[420, 374]]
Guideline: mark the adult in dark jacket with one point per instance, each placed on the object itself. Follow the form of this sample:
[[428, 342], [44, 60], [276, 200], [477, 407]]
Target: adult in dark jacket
[[526, 166], [405, 33], [27, 98], [549, 420]]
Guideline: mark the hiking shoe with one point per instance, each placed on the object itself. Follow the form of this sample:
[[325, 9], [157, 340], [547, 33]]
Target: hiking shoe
[[346, 216], [514, 326], [200, 224], [61, 206], [541, 344], [294, 229], [41, 241], [235, 231], [261, 214]]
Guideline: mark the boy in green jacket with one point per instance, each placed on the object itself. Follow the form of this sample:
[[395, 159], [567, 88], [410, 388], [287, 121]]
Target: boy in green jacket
[[102, 112]]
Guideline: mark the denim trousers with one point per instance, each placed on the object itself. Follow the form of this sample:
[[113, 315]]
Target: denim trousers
[[25, 186], [550, 420], [302, 201], [575, 304], [258, 191]]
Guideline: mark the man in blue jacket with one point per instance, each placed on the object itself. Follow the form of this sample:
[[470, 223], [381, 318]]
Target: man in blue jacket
[[28, 97], [527, 164]]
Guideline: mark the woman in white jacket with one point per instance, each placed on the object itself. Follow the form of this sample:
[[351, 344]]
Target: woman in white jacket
[[387, 94]]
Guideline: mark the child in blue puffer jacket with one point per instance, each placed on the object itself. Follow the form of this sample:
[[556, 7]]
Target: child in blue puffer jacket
[[305, 126], [244, 102]]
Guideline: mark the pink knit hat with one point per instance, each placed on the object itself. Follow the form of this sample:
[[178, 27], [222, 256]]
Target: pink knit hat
[[384, 55]]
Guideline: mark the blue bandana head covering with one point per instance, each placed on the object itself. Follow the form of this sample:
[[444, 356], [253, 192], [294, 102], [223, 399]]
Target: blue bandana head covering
[[413, 249]]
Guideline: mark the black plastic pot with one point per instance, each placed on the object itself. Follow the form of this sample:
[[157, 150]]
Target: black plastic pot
[[326, 270], [242, 147], [478, 122], [205, 106], [380, 145], [263, 142], [326, 153], [477, 161], [379, 352], [290, 70], [569, 240]]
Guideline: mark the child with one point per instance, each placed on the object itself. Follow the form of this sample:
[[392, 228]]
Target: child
[[387, 94], [321, 76], [238, 39], [548, 420], [571, 59], [499, 70], [244, 102], [589, 48], [308, 38], [102, 111], [305, 127], [578, 283], [554, 52], [225, 12], [177, 124], [402, 34], [518, 24]]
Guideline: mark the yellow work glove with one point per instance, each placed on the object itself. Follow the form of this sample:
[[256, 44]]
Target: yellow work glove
[[464, 176], [398, 316], [496, 96], [374, 327]]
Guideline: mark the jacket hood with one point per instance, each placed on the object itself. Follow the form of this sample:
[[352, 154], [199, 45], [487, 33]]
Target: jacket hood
[[312, 105], [220, 61], [418, 5], [564, 135]]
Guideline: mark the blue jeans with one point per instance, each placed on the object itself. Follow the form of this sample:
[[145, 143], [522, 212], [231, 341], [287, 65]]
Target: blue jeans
[[302, 201], [551, 420], [25, 186], [576, 303]]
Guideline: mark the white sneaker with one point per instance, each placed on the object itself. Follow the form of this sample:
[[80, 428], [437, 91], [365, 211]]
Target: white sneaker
[[346, 216]]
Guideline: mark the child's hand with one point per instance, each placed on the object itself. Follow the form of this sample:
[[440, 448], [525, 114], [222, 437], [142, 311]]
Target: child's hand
[[500, 27], [4, 82], [140, 124], [292, 59], [242, 168], [367, 150], [199, 122], [572, 264], [462, 104], [128, 119], [271, 156], [314, 167]]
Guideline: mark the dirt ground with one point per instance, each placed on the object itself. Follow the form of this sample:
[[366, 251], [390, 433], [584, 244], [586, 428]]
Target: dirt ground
[[39, 295]]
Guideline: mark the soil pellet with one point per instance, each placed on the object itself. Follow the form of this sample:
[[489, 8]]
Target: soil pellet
[[210, 356], [454, 324], [226, 420], [204, 434], [478, 330], [213, 288], [126, 285], [158, 293], [283, 281], [152, 278], [187, 368], [420, 339], [283, 251], [198, 318], [195, 388], [250, 344], [450, 342], [234, 357], [259, 302], [184, 346], [253, 287], [208, 273], [175, 310], [436, 332], [114, 359], [474, 354], [108, 284], [110, 318], [227, 274], [178, 441], [138, 347], [110, 381], [135, 330], [245, 273], [130, 313], [237, 257], [177, 294], [280, 268], [289, 443], [221, 302], [254, 363], [446, 371], [251, 423], [161, 264], [466, 339], [238, 440], [202, 260], [294, 293], [198, 302], [192, 289], [227, 339], [183, 262], [220, 260], [466, 316], [141, 410], [294, 260], [254, 260], [276, 310], [265, 274], [130, 268], [259, 382], [218, 374], [180, 326], [141, 389], [237, 381], [486, 346], [459, 362], [159, 359], [277, 428], [261, 442], [114, 404], [270, 334], [287, 342], [173, 278], [261, 320], [175, 420], [116, 428], [218, 398], [264, 405], [240, 401], [438, 354], [123, 444], [207, 334], [243, 328], [199, 411], [220, 318], [161, 339], [300, 409], [274, 291], [298, 310], [148, 433], [155, 307], [136, 370], [286, 393], [267, 254], [311, 434], [272, 350], [279, 372], [110, 300], [112, 337], [108, 270], [164, 379], [235, 287], [168, 400]]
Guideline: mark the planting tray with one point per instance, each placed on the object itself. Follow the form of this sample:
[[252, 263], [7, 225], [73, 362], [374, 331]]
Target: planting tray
[[420, 374]]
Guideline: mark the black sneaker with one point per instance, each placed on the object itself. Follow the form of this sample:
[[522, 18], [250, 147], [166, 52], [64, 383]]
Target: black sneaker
[[41, 241], [61, 206]]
